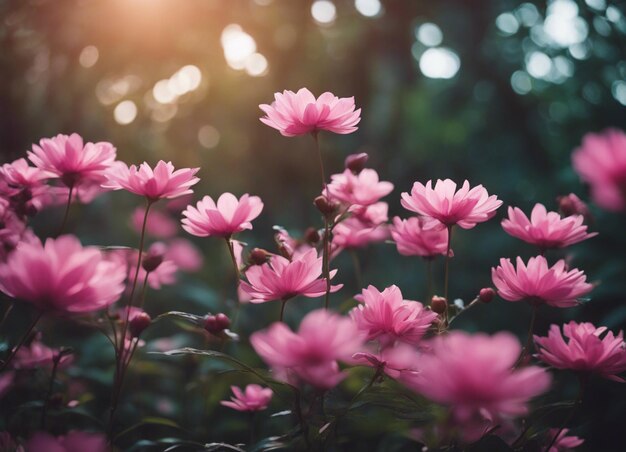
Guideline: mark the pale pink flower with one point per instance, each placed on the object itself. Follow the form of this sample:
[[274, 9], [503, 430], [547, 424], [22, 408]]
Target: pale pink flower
[[184, 254], [224, 218], [586, 349], [373, 214], [37, 355], [281, 279], [253, 398], [163, 182], [71, 442], [300, 113], [62, 276], [163, 275], [600, 161], [415, 236], [400, 361], [354, 233], [474, 375], [538, 283], [18, 176], [465, 207], [564, 442], [159, 224], [311, 354], [546, 229], [361, 189], [386, 316], [73, 161]]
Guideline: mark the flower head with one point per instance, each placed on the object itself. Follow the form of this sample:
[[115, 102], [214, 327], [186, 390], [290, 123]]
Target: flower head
[[159, 224], [399, 362], [224, 218], [416, 236], [538, 283], [546, 229], [162, 182], [61, 276], [281, 279], [354, 233], [253, 398], [300, 113], [360, 189], [587, 349], [465, 207], [564, 442], [311, 354]]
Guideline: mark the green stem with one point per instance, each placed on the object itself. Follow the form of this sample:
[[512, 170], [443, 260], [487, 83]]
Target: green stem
[[6, 314], [282, 310], [21, 342], [579, 398], [529, 338], [231, 251], [55, 365], [358, 274], [144, 290], [447, 274], [67, 210], [326, 241]]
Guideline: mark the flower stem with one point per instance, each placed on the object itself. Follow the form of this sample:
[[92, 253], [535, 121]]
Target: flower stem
[[55, 365], [326, 241], [579, 398], [447, 274], [358, 274], [529, 338], [282, 310], [67, 210], [6, 314], [429, 279], [21, 342], [231, 251]]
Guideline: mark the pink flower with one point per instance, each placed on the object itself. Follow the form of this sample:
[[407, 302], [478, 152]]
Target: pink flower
[[601, 162], [159, 224], [538, 283], [18, 175], [163, 182], [416, 237], [255, 398], [361, 189], [300, 113], [546, 229], [72, 442], [311, 354], [61, 276], [387, 317], [450, 206], [289, 245], [184, 255], [399, 362], [163, 275], [573, 205], [280, 279], [354, 233], [474, 375], [37, 355], [563, 443], [73, 161], [223, 219], [586, 350]]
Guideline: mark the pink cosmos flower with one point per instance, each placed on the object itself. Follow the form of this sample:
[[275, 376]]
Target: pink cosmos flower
[[474, 375], [601, 162], [354, 233], [280, 279], [72, 160], [546, 229], [465, 207], [254, 398], [311, 354], [289, 245], [37, 355], [72, 442], [163, 275], [417, 237], [386, 316], [564, 442], [400, 361], [300, 113], [159, 224], [573, 205], [62, 276], [586, 349], [163, 182], [223, 219], [18, 175], [538, 283], [361, 189], [184, 254]]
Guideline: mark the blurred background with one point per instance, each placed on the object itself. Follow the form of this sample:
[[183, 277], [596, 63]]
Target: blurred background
[[497, 92]]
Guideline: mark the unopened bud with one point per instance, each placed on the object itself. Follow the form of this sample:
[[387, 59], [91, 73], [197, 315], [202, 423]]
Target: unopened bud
[[311, 236], [215, 324], [356, 162], [325, 206], [572, 205], [438, 304], [285, 251], [139, 323], [486, 294], [154, 257], [258, 256]]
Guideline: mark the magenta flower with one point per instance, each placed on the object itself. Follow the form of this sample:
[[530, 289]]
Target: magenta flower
[[538, 283], [361, 189], [254, 398], [354, 233], [399, 362], [61, 276], [38, 355], [474, 375], [163, 182], [564, 442], [18, 176], [72, 442], [546, 229], [585, 350], [280, 279], [74, 162], [184, 254], [159, 225], [311, 354], [465, 207], [601, 162], [417, 236], [386, 316], [223, 219], [300, 113]]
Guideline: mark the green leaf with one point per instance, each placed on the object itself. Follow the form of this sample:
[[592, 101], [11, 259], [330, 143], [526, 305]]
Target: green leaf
[[149, 421]]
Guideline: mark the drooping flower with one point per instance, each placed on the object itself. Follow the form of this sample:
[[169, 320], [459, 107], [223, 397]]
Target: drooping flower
[[162, 182], [281, 279], [474, 376], [465, 207], [300, 113], [253, 398], [538, 283], [386, 316], [62, 276], [600, 161], [159, 224], [311, 354], [587, 349], [546, 229], [76, 163], [416, 237], [361, 189], [223, 219], [73, 441], [564, 442]]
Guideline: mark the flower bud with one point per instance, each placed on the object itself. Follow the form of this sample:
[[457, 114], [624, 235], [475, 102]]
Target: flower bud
[[356, 162], [486, 294], [215, 324], [139, 323], [258, 256], [285, 251], [325, 206], [311, 236], [572, 205], [438, 304], [154, 257]]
